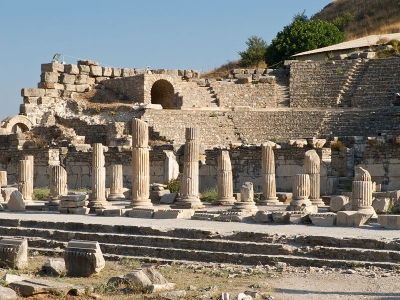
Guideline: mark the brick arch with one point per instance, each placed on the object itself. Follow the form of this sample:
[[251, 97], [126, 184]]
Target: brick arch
[[160, 89], [17, 123]]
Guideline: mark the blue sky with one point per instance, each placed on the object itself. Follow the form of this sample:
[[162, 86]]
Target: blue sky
[[174, 34]]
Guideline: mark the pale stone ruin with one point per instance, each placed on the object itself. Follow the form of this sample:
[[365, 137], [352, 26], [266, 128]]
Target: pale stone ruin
[[313, 143]]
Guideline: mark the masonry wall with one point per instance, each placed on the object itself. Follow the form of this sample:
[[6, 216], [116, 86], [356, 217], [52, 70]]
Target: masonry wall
[[130, 88], [258, 95]]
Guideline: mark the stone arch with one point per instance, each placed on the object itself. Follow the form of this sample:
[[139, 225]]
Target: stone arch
[[17, 124], [163, 84], [162, 92]]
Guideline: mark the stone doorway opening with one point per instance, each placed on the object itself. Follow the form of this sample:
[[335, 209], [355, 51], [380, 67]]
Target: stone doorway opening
[[162, 92]]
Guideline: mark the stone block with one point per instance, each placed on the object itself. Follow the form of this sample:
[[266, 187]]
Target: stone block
[[74, 197], [49, 77], [281, 217], [300, 143], [7, 293], [16, 202], [126, 72], [367, 55], [71, 69], [13, 253], [324, 219], [204, 216], [137, 212], [54, 267], [338, 203], [31, 92], [84, 69], [31, 100], [73, 204], [52, 93], [115, 72], [235, 216], [173, 214], [83, 258], [296, 217], [263, 217], [81, 88], [79, 210], [67, 78], [52, 67], [316, 143], [168, 198], [37, 286], [87, 63], [70, 87], [352, 218], [284, 197], [58, 86], [100, 79], [381, 205], [389, 221], [81, 79], [116, 212], [244, 80], [96, 71], [107, 71], [267, 79], [45, 100], [155, 196]]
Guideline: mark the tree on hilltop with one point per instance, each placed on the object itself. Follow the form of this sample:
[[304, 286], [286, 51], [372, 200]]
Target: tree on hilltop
[[302, 35], [255, 52]]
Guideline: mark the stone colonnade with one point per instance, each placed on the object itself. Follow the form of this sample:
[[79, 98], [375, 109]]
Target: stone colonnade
[[98, 199], [268, 175], [225, 180], [58, 184]]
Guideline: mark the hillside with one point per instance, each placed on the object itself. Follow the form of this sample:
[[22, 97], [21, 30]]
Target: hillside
[[370, 16]]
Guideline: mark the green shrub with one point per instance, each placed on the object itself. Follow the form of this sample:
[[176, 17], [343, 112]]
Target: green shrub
[[173, 185], [41, 193], [209, 195]]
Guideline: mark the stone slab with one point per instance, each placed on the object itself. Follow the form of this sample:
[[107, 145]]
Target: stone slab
[[173, 214], [168, 198], [352, 218], [33, 286], [389, 221], [324, 219], [146, 213], [263, 217], [235, 216]]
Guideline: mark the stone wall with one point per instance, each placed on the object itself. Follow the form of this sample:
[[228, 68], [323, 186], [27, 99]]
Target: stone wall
[[130, 88], [258, 95]]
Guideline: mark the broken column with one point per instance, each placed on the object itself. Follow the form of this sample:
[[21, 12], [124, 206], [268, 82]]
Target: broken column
[[246, 203], [140, 164], [116, 184], [312, 166], [58, 184], [25, 184], [362, 191], [225, 180], [3, 178], [98, 198], [268, 176], [13, 253], [301, 193], [189, 187]]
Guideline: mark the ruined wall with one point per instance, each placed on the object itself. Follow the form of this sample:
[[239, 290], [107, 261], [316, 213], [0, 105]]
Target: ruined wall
[[258, 95], [318, 83], [130, 88]]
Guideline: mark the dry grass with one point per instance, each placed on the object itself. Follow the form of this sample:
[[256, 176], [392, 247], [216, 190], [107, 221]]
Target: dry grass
[[208, 279], [371, 17], [222, 71]]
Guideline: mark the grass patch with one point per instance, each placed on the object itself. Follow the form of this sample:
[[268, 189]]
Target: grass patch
[[209, 195], [41, 193], [173, 185]]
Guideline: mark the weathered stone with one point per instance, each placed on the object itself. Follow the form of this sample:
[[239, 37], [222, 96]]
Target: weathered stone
[[6, 193], [338, 202], [54, 267], [32, 92], [381, 205], [52, 67], [168, 198], [389, 221], [7, 293], [268, 176], [173, 295], [33, 286], [298, 143], [107, 71], [13, 253], [312, 168], [246, 203], [323, 219], [173, 214], [49, 77], [83, 258], [58, 184], [225, 180], [71, 69], [67, 79], [352, 218], [96, 71], [116, 186], [98, 198], [284, 197], [115, 72], [263, 217], [16, 202], [301, 192], [139, 212]]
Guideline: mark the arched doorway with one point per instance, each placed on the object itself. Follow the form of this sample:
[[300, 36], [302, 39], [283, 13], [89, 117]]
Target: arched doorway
[[162, 92]]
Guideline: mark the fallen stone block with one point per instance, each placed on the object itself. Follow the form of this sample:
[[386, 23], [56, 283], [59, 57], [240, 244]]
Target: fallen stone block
[[284, 197], [263, 217], [381, 205], [6, 192], [180, 294], [298, 143], [235, 216], [281, 217], [389, 221], [325, 219], [83, 258], [155, 196], [16, 202], [298, 217], [54, 267], [204, 216], [352, 218], [338, 203], [9, 278], [7, 293], [33, 286], [116, 212], [79, 210], [173, 214], [145, 276], [168, 198], [13, 253], [156, 288]]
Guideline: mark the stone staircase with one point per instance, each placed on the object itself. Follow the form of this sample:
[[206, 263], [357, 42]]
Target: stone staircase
[[354, 75], [283, 96], [247, 248], [193, 95]]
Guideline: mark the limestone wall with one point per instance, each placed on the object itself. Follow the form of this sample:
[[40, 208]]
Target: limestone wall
[[130, 88], [258, 95]]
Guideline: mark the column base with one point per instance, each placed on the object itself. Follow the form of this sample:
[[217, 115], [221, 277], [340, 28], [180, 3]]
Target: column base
[[269, 201], [140, 203], [116, 197], [224, 201], [188, 203], [245, 207]]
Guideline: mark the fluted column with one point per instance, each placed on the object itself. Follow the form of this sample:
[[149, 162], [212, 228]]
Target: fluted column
[[225, 180], [312, 165], [31, 158], [140, 164], [58, 184], [189, 185], [301, 191], [361, 199], [25, 185], [268, 176], [98, 199], [116, 184], [3, 178], [246, 203]]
